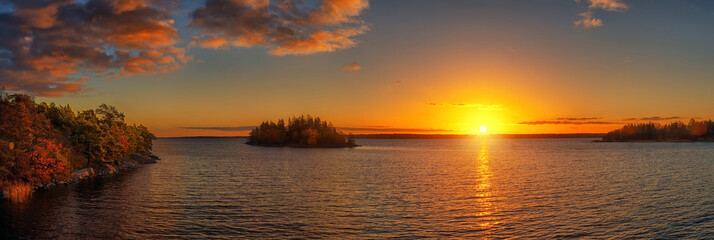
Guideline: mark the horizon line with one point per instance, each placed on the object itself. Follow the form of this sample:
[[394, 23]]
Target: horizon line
[[554, 135]]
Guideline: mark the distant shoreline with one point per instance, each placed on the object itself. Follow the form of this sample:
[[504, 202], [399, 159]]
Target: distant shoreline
[[443, 136], [666, 140], [352, 145]]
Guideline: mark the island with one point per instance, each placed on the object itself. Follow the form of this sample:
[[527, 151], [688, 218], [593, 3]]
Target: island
[[694, 131], [42, 144], [302, 131]]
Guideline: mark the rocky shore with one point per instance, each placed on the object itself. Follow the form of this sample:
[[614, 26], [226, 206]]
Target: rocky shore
[[127, 164], [110, 169]]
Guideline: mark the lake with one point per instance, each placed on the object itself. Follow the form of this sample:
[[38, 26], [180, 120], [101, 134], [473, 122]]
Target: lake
[[220, 188]]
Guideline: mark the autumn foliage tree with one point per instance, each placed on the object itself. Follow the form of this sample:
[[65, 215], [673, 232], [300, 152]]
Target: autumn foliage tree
[[43, 142], [30, 151]]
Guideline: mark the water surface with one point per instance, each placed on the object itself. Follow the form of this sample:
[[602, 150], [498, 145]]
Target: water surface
[[206, 188]]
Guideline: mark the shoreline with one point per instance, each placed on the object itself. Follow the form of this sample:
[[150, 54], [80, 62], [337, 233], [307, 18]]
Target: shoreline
[[440, 136], [649, 141], [21, 191]]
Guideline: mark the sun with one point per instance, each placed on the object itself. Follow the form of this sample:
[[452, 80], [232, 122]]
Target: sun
[[483, 129]]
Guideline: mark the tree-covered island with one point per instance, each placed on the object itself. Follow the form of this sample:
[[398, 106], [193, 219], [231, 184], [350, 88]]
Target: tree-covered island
[[303, 131], [44, 144], [699, 131]]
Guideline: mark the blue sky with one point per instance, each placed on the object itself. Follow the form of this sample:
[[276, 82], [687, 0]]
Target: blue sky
[[651, 59]]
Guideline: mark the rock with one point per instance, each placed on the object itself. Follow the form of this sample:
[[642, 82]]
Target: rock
[[109, 169], [145, 159], [84, 173]]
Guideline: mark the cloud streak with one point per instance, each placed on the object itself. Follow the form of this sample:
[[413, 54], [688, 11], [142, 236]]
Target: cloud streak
[[51, 47], [284, 27], [588, 19], [567, 122], [655, 118], [578, 119], [352, 66]]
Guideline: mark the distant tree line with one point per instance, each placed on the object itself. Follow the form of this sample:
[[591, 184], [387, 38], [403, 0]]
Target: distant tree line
[[42, 142], [693, 131], [299, 131]]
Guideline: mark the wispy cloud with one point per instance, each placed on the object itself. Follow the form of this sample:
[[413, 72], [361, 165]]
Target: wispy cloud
[[50, 48], [285, 27], [482, 107], [587, 18], [577, 119], [225, 129], [352, 66], [588, 21], [547, 122], [655, 118]]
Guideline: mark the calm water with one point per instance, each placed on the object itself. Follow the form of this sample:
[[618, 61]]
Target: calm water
[[491, 188]]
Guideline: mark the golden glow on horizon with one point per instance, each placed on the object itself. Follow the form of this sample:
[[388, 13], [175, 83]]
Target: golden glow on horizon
[[483, 129]]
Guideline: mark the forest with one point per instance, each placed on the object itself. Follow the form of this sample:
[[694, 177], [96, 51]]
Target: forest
[[44, 143], [676, 131], [303, 131]]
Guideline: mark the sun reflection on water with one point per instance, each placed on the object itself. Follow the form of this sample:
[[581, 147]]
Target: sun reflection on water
[[484, 192]]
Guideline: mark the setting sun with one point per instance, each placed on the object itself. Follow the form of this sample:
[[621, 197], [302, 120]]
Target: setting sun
[[294, 118]]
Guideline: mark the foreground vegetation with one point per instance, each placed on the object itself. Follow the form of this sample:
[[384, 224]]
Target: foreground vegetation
[[44, 143], [303, 131], [676, 131]]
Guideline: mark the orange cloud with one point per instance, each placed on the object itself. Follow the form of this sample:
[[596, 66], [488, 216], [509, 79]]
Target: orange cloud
[[338, 11], [48, 50], [607, 5], [214, 43], [587, 19], [567, 122], [284, 27], [578, 119], [156, 61], [352, 66], [655, 118], [318, 41], [121, 6], [142, 35]]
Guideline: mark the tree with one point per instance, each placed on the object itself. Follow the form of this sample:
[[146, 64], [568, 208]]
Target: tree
[[110, 114], [302, 130], [31, 152]]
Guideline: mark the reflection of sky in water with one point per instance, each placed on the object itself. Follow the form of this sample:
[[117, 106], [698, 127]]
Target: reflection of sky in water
[[471, 188]]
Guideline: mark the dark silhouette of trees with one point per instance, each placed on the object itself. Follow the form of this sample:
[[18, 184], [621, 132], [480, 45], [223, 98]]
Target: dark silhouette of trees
[[303, 131], [676, 131], [43, 142]]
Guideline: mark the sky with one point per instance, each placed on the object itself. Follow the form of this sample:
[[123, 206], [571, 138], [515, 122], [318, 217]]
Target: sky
[[220, 67]]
